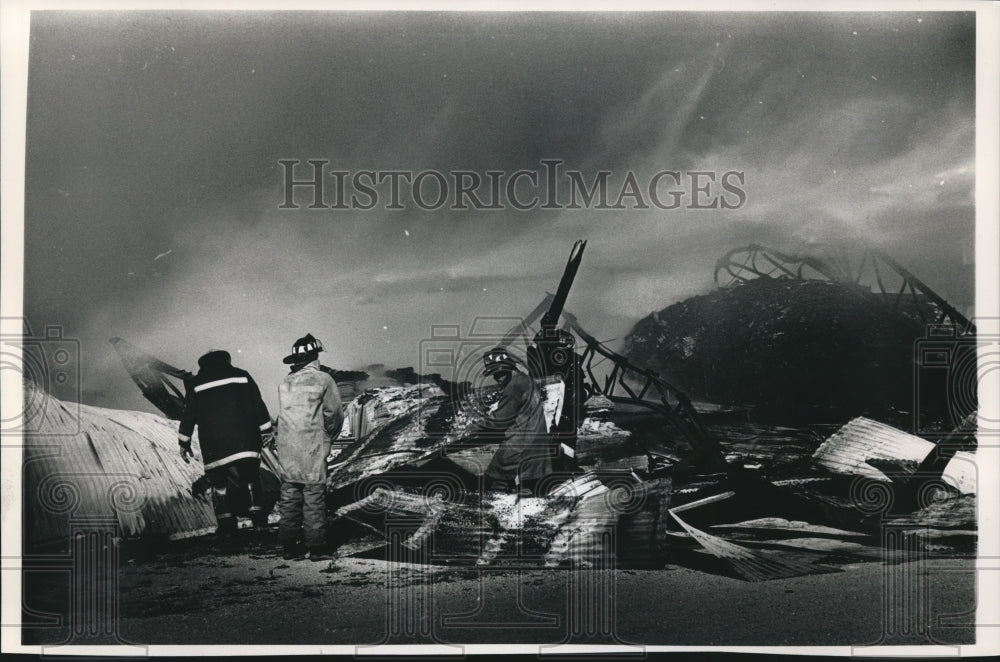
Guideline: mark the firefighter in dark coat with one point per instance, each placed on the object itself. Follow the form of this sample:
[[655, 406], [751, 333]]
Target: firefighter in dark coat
[[526, 453], [232, 419]]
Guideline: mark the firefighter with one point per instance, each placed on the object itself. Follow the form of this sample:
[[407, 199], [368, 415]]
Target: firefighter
[[526, 453], [309, 419], [232, 420], [553, 355]]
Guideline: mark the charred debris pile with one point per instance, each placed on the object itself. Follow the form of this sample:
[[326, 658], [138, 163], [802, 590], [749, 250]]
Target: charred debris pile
[[786, 503], [804, 339], [721, 490], [794, 349]]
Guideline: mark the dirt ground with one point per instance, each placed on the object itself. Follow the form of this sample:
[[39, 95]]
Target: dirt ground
[[194, 592]]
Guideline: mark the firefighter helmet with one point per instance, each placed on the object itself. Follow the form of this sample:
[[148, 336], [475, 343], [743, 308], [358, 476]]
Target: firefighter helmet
[[497, 360]]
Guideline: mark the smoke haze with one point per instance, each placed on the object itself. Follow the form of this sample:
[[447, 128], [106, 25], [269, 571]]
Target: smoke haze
[[153, 182]]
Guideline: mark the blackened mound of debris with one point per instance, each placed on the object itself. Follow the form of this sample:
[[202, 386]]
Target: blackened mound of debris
[[795, 349]]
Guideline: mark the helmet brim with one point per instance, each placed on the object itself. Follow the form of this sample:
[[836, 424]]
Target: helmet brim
[[307, 357], [500, 366]]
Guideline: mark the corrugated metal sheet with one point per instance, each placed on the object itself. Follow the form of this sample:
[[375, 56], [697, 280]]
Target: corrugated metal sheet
[[391, 431], [752, 565], [392, 426], [91, 462], [849, 449], [962, 472]]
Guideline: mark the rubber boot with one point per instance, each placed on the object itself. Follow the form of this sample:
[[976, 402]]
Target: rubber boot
[[259, 519], [319, 554], [293, 552], [227, 527]]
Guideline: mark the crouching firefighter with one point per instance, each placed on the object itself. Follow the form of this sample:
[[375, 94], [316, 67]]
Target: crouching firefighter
[[225, 404], [526, 453], [309, 419]]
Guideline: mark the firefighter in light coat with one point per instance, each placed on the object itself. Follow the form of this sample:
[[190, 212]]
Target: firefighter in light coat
[[309, 419]]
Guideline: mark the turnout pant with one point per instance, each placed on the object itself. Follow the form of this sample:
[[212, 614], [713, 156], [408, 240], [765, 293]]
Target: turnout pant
[[303, 514], [564, 437], [231, 484]]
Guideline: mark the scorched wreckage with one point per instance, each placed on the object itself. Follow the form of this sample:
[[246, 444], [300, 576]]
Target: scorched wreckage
[[635, 474]]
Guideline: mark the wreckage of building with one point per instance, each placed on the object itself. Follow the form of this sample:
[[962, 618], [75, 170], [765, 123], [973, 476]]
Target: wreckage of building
[[705, 487]]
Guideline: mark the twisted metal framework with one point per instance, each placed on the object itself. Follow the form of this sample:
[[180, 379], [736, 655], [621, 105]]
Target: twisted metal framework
[[629, 384], [755, 261], [626, 383]]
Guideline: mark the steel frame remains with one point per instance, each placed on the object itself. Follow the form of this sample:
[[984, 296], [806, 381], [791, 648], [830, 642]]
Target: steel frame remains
[[755, 261]]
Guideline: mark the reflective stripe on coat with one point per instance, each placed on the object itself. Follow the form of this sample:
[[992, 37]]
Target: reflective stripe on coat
[[225, 405]]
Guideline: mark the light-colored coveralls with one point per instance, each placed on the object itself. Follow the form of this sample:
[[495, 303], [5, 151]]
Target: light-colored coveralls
[[309, 419]]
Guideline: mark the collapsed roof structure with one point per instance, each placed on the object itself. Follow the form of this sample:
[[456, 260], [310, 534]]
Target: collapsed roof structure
[[824, 336], [83, 463]]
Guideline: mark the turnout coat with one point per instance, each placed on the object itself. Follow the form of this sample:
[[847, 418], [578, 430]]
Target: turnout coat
[[527, 450], [225, 404], [309, 419]]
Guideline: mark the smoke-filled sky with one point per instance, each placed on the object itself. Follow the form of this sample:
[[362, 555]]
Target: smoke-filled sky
[[153, 183]]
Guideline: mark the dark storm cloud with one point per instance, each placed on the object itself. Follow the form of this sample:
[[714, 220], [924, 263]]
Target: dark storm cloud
[[151, 132]]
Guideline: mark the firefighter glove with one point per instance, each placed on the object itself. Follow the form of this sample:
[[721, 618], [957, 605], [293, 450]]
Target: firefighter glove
[[186, 451]]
